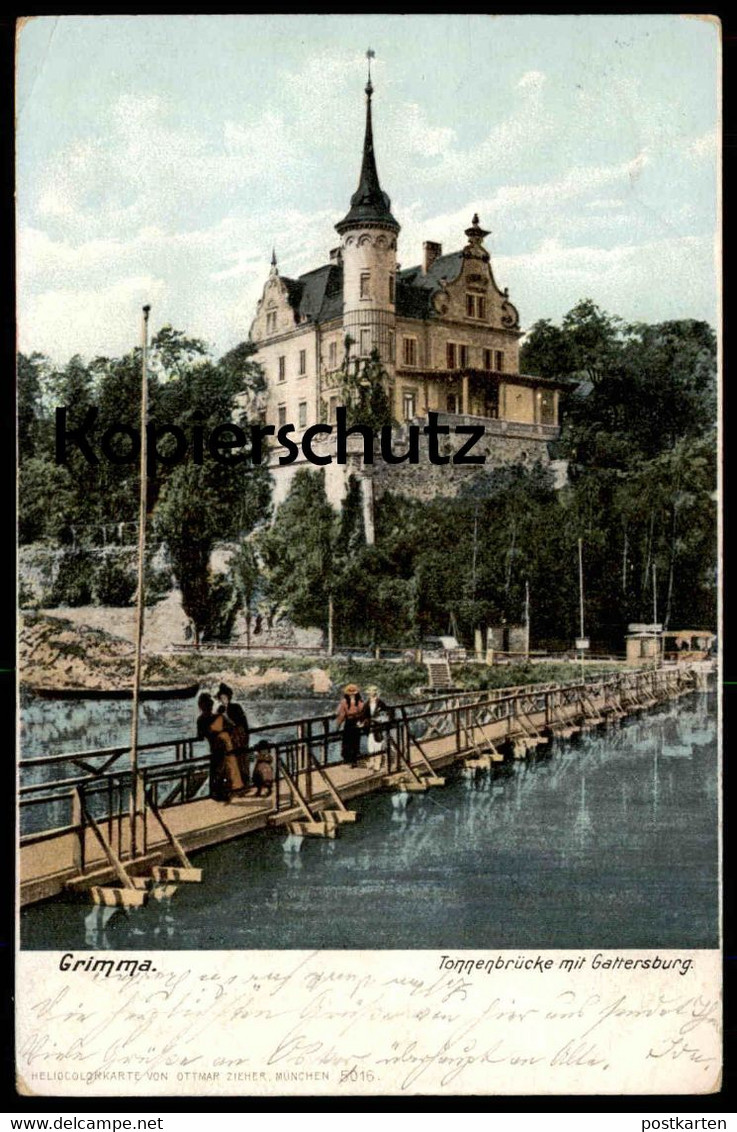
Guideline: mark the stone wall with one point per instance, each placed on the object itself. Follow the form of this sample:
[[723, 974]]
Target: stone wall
[[505, 443], [505, 446]]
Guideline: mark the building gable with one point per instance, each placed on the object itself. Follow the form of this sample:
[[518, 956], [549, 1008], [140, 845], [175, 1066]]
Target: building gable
[[442, 292], [275, 312]]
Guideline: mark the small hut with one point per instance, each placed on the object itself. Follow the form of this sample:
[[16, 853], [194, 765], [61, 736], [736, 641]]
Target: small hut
[[643, 643], [687, 645]]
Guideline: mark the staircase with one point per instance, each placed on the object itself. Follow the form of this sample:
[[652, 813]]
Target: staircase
[[438, 673]]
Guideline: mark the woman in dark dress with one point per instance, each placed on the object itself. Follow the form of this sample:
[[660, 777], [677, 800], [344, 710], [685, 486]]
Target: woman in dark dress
[[219, 783], [236, 724], [350, 714]]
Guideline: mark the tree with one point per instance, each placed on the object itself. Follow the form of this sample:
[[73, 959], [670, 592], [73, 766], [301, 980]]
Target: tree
[[207, 395], [48, 502], [547, 351], [188, 519], [593, 337], [74, 501], [246, 575], [30, 377], [191, 516], [653, 385], [363, 388], [174, 353], [374, 605], [298, 552]]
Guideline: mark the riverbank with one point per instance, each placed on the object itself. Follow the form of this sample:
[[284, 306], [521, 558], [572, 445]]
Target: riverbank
[[54, 652]]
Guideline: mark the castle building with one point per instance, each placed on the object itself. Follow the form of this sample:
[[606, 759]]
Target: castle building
[[447, 335]]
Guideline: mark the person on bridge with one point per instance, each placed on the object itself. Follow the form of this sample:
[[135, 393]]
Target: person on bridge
[[375, 716], [263, 772], [236, 725], [219, 783], [350, 715]]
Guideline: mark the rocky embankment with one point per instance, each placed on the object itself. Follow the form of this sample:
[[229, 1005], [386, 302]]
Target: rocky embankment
[[55, 652]]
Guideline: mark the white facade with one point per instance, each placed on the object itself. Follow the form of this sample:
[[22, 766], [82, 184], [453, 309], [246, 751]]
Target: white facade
[[447, 335]]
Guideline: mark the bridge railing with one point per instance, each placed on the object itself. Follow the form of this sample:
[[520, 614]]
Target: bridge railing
[[177, 771]]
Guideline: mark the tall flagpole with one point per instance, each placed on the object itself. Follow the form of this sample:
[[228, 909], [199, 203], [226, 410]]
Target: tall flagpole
[[136, 802], [659, 640], [580, 596]]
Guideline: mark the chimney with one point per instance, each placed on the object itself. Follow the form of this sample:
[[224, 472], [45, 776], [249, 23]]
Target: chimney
[[430, 252], [336, 255]]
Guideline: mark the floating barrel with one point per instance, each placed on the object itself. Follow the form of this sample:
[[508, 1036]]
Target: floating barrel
[[480, 762], [311, 828], [337, 817], [163, 891], [176, 873], [119, 897]]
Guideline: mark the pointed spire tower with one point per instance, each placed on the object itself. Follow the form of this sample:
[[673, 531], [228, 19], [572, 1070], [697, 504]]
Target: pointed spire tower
[[369, 252], [370, 205]]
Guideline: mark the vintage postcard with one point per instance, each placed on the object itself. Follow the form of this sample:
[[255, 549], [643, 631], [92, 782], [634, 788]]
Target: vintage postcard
[[368, 527]]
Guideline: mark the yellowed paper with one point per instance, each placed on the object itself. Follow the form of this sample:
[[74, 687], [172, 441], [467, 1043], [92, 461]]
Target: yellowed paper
[[399, 1023], [513, 888]]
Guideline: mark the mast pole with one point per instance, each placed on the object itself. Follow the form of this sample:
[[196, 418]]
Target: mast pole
[[136, 801], [660, 641], [580, 597]]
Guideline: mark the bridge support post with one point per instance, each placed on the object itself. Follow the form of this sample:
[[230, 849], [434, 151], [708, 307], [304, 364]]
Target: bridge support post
[[78, 854]]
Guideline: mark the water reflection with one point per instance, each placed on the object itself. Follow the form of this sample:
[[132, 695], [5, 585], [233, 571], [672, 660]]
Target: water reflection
[[54, 727], [610, 841]]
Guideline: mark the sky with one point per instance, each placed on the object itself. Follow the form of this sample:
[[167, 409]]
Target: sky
[[159, 160]]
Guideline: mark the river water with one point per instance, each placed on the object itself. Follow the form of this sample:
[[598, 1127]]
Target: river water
[[50, 727], [605, 841], [55, 727]]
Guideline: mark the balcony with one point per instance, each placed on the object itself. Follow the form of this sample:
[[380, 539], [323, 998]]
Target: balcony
[[519, 430]]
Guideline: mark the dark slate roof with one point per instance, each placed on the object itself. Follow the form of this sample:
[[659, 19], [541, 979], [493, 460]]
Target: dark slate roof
[[415, 289], [317, 295], [369, 204]]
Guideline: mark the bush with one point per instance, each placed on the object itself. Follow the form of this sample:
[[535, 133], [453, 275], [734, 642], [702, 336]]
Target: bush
[[478, 677], [223, 606], [392, 679], [157, 584], [73, 584], [27, 598], [114, 584]]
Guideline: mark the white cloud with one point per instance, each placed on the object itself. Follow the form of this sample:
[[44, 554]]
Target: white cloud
[[531, 79], [513, 142], [419, 135], [704, 147], [551, 279], [68, 321], [604, 203]]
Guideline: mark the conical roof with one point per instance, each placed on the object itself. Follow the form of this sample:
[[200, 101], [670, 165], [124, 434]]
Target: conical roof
[[370, 205]]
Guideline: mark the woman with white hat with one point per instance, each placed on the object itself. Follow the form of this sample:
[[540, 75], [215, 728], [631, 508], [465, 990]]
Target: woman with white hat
[[376, 714]]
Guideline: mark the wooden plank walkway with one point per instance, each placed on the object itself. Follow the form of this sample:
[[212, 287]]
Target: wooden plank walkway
[[50, 863], [46, 867]]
